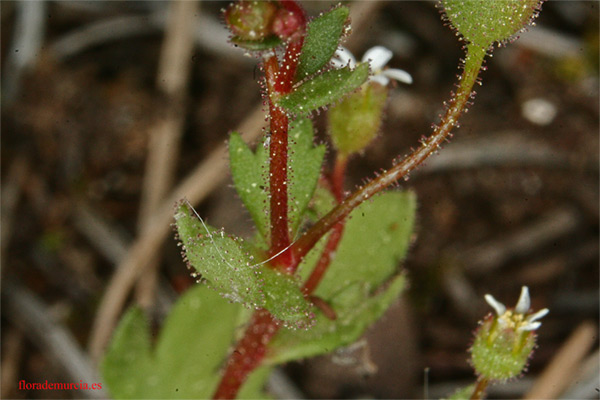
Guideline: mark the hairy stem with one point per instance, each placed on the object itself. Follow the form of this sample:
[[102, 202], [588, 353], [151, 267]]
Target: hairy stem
[[480, 388], [250, 350], [428, 147], [337, 188], [248, 354]]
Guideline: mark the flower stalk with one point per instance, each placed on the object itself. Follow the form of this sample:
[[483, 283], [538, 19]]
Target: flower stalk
[[429, 146]]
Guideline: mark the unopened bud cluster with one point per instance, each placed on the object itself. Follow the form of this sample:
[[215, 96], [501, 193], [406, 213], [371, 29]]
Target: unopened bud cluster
[[258, 25]]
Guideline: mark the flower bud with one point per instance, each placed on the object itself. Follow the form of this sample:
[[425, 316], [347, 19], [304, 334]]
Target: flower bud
[[483, 22], [500, 353], [286, 23], [251, 20], [356, 120]]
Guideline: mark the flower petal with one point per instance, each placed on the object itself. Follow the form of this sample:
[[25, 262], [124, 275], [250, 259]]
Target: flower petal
[[377, 56], [379, 78], [343, 57], [496, 305], [532, 326], [538, 315], [399, 75], [524, 302]]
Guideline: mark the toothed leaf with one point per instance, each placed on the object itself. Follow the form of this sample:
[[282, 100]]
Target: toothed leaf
[[321, 41], [327, 335], [324, 89], [250, 170], [185, 363], [362, 280], [387, 220], [305, 168], [228, 266]]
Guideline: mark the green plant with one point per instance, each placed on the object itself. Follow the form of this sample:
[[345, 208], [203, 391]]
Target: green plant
[[323, 265]]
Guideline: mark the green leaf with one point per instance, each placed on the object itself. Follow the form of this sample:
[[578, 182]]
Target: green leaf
[[321, 41], [228, 266], [253, 388], [324, 89], [376, 238], [356, 310], [483, 22], [190, 350], [222, 260], [305, 161], [387, 221], [250, 170], [127, 362]]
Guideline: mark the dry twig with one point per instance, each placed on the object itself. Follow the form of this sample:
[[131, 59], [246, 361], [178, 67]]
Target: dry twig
[[164, 137], [492, 255]]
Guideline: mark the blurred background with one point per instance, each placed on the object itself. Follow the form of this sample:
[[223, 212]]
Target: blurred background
[[112, 111]]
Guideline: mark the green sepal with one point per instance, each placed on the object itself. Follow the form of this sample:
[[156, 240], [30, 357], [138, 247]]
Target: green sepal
[[227, 264], [362, 280], [324, 89], [181, 365], [500, 352], [355, 121], [483, 22], [257, 45], [321, 41]]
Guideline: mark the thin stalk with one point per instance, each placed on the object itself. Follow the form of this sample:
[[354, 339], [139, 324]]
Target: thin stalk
[[480, 388], [428, 147], [337, 188]]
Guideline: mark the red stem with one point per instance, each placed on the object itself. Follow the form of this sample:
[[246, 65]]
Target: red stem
[[337, 188], [248, 354], [250, 350]]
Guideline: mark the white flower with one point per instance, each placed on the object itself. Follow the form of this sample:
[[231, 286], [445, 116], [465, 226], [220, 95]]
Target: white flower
[[518, 318], [377, 57]]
